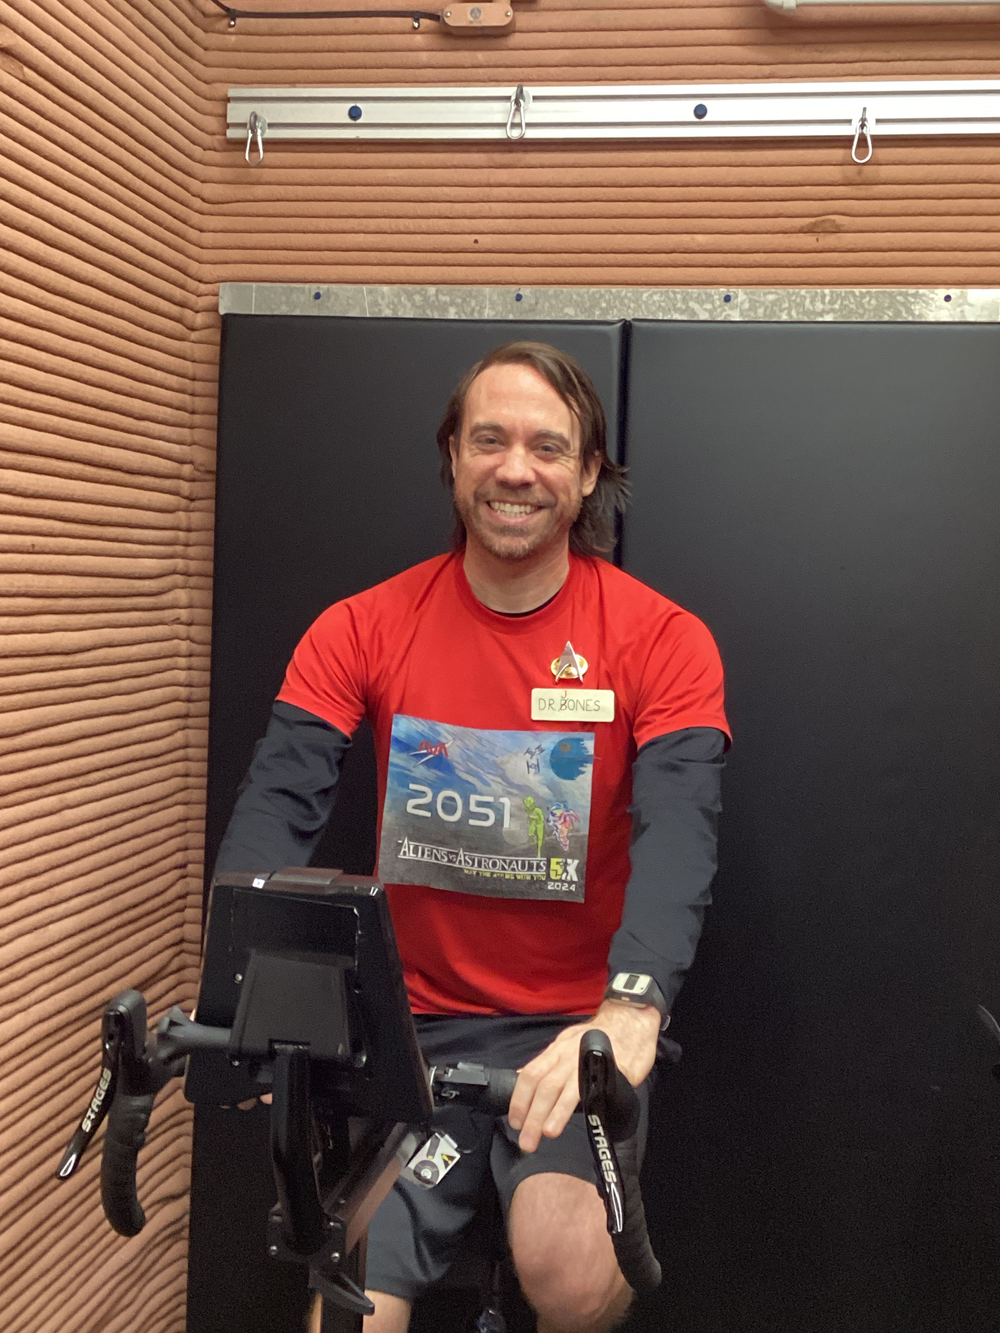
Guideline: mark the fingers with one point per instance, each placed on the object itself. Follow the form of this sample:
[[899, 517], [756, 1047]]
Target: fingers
[[529, 1077], [248, 1105], [566, 1103], [546, 1095], [524, 1089]]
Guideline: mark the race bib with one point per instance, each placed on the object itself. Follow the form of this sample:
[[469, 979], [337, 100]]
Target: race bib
[[500, 813]]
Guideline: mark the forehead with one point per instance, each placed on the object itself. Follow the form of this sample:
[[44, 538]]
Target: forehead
[[518, 397]]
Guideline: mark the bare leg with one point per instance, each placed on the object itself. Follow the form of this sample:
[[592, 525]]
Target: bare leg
[[564, 1257], [392, 1313], [612, 1317]]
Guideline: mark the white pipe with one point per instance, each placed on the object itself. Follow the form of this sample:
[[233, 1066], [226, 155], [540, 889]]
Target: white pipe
[[790, 6]]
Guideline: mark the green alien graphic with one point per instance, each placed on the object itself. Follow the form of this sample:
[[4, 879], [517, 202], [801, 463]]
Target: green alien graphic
[[536, 822]]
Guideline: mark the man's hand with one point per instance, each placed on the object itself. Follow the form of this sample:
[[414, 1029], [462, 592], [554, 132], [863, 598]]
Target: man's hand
[[548, 1087]]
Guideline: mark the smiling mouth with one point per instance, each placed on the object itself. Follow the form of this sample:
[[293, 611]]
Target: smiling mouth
[[512, 510]]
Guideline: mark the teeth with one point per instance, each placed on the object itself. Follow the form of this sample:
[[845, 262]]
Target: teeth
[[503, 508]]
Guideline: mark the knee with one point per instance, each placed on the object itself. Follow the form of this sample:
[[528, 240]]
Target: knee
[[563, 1255], [569, 1296]]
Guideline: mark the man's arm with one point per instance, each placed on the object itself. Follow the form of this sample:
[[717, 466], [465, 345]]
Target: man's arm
[[287, 795], [676, 798]]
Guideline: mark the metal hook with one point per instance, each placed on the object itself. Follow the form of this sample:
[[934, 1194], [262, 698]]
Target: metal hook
[[517, 106], [863, 127], [256, 129]]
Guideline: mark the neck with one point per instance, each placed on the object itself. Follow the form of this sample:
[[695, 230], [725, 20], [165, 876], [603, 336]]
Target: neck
[[515, 586]]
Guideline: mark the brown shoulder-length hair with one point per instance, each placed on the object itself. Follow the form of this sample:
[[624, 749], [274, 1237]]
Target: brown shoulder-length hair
[[593, 533]]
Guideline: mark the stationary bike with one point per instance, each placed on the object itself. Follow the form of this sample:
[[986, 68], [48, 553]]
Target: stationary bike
[[302, 996]]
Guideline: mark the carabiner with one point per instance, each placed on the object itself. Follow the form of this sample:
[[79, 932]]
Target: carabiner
[[256, 129], [517, 107], [863, 127]]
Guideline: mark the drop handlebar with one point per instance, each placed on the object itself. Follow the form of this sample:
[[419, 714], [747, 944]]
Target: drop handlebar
[[611, 1114], [136, 1066]]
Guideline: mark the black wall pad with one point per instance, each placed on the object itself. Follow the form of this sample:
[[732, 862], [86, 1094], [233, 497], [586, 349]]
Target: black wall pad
[[327, 484], [825, 1157], [232, 1284]]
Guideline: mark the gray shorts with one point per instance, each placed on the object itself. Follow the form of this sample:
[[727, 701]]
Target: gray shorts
[[420, 1236]]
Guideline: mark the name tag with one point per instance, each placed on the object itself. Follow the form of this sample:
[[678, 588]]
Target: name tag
[[572, 705]]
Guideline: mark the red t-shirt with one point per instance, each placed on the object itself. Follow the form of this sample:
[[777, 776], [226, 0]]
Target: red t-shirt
[[420, 645]]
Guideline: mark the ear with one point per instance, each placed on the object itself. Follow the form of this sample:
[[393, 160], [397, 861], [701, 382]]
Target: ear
[[590, 471], [453, 450]]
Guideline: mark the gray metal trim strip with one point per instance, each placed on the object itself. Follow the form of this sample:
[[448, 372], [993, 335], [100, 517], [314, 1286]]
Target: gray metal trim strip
[[957, 305]]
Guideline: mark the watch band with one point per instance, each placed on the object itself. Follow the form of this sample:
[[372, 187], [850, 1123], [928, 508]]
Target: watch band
[[638, 988]]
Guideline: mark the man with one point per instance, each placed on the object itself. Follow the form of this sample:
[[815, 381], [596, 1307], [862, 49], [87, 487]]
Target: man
[[518, 920]]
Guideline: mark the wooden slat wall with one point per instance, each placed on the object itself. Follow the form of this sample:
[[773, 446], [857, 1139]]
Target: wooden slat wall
[[106, 434], [782, 214], [123, 207]]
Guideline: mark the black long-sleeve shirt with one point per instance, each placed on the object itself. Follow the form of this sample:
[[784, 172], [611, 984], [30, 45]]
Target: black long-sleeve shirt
[[287, 796]]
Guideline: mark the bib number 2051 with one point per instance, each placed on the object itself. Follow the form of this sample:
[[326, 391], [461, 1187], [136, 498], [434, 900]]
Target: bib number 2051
[[450, 806]]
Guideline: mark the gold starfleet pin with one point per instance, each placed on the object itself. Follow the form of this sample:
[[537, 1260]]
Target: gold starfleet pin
[[570, 666]]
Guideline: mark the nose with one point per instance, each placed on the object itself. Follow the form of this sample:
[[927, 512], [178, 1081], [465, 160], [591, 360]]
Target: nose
[[515, 467]]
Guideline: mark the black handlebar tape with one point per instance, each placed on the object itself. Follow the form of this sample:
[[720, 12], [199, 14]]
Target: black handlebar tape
[[622, 1108], [639, 1265], [499, 1090], [473, 1086], [126, 1134], [609, 1098]]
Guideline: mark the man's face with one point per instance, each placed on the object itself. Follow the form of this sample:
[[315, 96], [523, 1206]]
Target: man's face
[[519, 481]]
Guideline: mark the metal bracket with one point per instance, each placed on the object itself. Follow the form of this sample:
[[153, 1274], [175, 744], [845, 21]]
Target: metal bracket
[[491, 17]]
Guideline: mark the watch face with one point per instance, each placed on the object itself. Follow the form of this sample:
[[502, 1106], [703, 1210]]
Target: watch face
[[634, 984]]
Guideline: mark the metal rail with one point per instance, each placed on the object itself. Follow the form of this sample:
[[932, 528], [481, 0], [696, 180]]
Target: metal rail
[[652, 111]]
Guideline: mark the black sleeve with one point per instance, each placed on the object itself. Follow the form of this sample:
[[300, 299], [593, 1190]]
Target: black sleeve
[[287, 795], [676, 799]]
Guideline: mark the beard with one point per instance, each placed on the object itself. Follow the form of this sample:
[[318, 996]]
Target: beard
[[514, 546]]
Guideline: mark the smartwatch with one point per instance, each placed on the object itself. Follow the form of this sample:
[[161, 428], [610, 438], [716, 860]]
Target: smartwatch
[[638, 988]]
